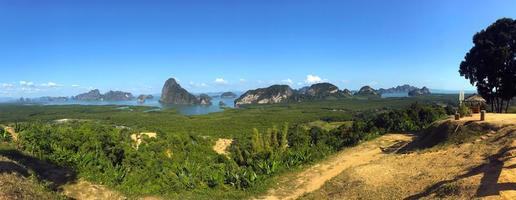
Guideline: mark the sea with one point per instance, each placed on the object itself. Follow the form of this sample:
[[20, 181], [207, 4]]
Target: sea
[[155, 105]]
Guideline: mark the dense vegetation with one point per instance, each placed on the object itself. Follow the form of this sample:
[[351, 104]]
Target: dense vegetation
[[174, 164]]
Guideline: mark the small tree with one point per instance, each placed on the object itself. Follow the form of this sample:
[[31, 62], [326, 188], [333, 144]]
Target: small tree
[[256, 141], [284, 137], [490, 64]]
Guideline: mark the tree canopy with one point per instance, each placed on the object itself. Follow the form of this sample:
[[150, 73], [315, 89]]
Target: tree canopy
[[490, 64]]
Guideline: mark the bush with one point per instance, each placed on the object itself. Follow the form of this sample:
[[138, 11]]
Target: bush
[[464, 111], [4, 136]]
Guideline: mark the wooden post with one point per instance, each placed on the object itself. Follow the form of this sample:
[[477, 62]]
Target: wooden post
[[482, 115], [457, 116]]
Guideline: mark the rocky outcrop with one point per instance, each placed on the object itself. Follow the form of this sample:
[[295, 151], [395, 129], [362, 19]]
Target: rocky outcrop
[[222, 104], [347, 93], [117, 96], [419, 92], [320, 91], [228, 95], [93, 95], [173, 93], [272, 94], [204, 99], [142, 98], [367, 91], [398, 89], [303, 90]]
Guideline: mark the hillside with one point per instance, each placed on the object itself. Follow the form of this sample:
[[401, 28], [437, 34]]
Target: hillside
[[21, 181], [452, 160]]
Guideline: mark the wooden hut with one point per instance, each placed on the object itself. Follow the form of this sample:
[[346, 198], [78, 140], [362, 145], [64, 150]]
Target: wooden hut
[[475, 103]]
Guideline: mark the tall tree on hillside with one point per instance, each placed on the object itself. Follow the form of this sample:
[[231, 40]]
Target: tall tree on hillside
[[491, 63]]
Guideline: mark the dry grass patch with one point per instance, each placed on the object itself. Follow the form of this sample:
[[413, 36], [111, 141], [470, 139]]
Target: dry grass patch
[[221, 146]]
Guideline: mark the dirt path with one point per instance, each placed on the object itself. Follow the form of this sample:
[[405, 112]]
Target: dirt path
[[314, 177]]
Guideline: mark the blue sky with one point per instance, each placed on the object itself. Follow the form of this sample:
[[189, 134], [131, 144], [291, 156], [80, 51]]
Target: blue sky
[[68, 47]]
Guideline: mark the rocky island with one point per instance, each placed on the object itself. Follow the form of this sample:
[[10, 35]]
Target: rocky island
[[367, 91], [406, 88], [117, 96], [321, 91], [142, 98], [173, 93], [95, 95], [204, 99], [283, 94], [228, 95], [272, 94], [419, 92]]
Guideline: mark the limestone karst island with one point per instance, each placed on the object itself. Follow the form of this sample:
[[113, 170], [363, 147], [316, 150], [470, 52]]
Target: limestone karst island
[[258, 100]]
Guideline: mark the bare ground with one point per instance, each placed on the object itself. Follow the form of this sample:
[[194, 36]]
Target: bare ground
[[314, 177], [85, 190]]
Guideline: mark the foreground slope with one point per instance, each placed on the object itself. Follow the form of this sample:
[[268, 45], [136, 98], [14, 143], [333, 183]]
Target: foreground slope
[[314, 177], [452, 160]]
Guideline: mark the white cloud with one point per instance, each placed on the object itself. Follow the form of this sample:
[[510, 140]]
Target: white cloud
[[311, 79], [75, 85], [220, 81], [194, 84], [50, 84], [7, 85], [287, 81], [27, 83], [242, 80]]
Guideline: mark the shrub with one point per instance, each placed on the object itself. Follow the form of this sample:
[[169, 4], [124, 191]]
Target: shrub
[[464, 111], [4, 136]]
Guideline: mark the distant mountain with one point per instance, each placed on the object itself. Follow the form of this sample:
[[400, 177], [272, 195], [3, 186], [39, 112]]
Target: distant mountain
[[272, 94], [204, 99], [419, 92], [398, 89], [95, 95], [142, 98], [228, 95], [367, 91], [117, 96], [347, 92], [173, 93], [283, 93], [320, 91]]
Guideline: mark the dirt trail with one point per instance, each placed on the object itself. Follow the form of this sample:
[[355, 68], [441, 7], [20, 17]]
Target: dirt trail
[[493, 118], [85, 190], [314, 177]]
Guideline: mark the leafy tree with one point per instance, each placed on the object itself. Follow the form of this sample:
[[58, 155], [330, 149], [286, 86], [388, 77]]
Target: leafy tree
[[284, 137], [491, 63]]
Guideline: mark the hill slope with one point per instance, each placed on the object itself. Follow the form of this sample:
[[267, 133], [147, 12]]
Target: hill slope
[[453, 160]]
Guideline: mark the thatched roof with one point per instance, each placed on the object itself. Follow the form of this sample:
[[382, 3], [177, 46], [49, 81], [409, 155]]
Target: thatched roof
[[475, 99]]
